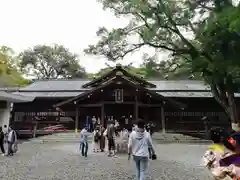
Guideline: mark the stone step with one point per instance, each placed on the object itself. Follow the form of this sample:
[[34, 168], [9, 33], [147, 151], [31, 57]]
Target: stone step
[[157, 137], [202, 141], [176, 138], [60, 137]]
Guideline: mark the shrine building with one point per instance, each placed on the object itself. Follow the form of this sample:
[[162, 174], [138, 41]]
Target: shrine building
[[181, 106]]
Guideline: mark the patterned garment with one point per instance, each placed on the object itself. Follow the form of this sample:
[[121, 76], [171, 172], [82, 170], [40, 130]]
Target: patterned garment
[[212, 158]]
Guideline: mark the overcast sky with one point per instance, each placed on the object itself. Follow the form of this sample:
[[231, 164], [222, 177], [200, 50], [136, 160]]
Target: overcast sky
[[72, 23]]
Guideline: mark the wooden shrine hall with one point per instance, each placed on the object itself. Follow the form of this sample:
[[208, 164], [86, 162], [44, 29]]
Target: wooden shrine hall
[[119, 94], [174, 106]]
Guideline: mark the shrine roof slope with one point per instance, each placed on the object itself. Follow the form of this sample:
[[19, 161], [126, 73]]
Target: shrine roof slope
[[4, 96], [76, 85]]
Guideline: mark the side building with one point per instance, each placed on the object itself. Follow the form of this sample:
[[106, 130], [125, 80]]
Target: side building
[[185, 106]]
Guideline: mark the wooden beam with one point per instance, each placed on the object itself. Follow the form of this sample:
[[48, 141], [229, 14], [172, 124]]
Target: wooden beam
[[123, 103], [90, 105], [113, 102], [149, 105]]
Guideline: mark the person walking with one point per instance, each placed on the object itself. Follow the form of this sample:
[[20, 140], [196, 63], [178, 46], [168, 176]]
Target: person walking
[[84, 141], [110, 138], [2, 138], [12, 142], [138, 146], [96, 140], [102, 139]]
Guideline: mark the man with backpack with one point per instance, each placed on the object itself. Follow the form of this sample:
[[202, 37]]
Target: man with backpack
[[138, 146], [111, 139]]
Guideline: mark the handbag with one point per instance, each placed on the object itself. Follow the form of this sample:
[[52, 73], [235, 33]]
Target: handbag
[[154, 157], [15, 147]]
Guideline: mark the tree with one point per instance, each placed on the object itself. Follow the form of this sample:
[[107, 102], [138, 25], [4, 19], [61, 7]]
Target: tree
[[163, 25], [9, 74], [220, 39], [51, 62]]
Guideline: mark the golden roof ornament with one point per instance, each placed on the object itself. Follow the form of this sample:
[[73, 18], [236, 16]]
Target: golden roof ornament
[[119, 73]]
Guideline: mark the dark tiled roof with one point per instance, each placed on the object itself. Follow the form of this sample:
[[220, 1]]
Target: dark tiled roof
[[187, 85], [73, 87], [56, 85], [76, 85], [48, 94], [190, 94], [73, 94]]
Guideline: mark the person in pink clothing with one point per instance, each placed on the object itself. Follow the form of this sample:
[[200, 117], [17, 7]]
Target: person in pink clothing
[[230, 161], [214, 153], [223, 157]]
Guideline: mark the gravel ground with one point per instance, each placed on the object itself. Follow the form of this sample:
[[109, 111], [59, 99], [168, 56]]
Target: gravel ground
[[63, 161]]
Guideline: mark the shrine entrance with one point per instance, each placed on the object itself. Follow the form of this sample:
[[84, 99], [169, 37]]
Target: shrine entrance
[[121, 112]]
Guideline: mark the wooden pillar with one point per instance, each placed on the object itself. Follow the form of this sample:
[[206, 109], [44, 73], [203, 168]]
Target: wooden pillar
[[76, 121], [58, 116], [35, 130], [102, 115], [136, 108], [163, 120]]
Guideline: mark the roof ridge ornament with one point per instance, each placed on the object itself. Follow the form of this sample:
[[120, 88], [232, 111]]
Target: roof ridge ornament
[[118, 65], [119, 73]]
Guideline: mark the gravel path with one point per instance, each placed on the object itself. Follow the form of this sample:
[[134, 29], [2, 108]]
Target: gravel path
[[63, 161]]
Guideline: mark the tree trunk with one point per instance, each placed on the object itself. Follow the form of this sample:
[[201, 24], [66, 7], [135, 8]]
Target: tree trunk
[[224, 95], [232, 111]]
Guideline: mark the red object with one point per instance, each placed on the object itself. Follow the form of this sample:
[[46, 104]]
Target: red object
[[232, 141], [56, 128]]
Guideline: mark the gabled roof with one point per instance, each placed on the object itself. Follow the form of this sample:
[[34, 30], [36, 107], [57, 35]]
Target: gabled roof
[[119, 70], [125, 80]]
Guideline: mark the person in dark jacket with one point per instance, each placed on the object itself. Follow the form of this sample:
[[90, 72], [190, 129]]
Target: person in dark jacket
[[2, 141], [102, 140]]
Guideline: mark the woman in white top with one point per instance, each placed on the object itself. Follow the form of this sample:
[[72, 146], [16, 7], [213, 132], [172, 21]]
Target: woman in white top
[[96, 140]]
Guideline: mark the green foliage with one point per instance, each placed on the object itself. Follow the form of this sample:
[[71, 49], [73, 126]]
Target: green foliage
[[213, 51], [157, 24], [9, 75], [220, 40], [51, 62]]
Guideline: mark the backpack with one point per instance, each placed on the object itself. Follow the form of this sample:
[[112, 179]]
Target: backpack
[[97, 136]]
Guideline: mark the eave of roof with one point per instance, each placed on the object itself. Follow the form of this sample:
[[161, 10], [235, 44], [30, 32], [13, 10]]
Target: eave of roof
[[4, 96]]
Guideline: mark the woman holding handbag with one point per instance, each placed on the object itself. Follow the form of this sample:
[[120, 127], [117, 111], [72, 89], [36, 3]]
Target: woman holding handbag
[[138, 146]]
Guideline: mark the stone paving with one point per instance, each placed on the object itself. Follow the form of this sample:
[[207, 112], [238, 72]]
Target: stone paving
[[63, 162]]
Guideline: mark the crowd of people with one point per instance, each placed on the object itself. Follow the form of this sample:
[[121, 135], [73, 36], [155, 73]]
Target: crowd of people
[[223, 157], [8, 136], [140, 146]]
